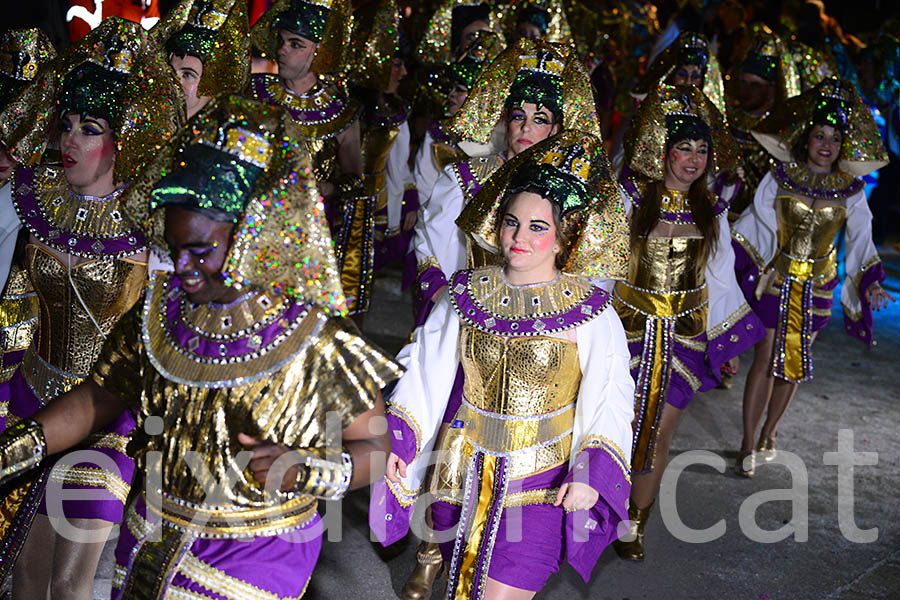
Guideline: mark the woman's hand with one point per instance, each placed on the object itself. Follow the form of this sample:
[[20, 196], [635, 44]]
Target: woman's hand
[[396, 468], [576, 496], [877, 297], [409, 220], [264, 456]]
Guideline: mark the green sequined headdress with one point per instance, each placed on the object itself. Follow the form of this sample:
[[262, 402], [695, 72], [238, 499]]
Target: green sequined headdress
[[246, 161], [114, 72], [22, 53], [768, 57], [216, 32], [571, 170]]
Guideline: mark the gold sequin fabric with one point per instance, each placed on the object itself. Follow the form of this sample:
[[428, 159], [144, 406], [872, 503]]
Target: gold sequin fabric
[[227, 69], [22, 53], [375, 38], [645, 140], [472, 173], [282, 242], [484, 105], [862, 150], [434, 49], [18, 319], [558, 30], [322, 370], [805, 233], [597, 236], [151, 101], [769, 45]]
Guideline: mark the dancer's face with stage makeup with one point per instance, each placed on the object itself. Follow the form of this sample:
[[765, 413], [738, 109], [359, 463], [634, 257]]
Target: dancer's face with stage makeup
[[528, 124], [455, 98], [687, 75], [189, 70], [685, 164], [824, 147], [198, 246], [295, 55], [88, 153], [528, 239]]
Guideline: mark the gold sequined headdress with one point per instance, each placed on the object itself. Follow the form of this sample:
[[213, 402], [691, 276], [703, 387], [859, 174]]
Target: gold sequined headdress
[[281, 239], [22, 53], [374, 43], [328, 20], [547, 15], [768, 57], [436, 47], [667, 107], [832, 102], [692, 49], [217, 32], [114, 69], [572, 170], [558, 63]]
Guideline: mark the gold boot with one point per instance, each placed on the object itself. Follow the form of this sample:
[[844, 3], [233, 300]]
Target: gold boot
[[429, 563], [765, 448], [745, 468], [633, 548]]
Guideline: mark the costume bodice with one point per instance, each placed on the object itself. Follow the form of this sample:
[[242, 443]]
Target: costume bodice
[[668, 264], [68, 339], [807, 233]]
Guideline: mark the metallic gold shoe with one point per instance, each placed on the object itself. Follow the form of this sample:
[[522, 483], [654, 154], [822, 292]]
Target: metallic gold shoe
[[765, 448], [745, 465], [429, 563], [631, 546]]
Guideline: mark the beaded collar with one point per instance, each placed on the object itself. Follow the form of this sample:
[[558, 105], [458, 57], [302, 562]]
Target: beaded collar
[[473, 172], [440, 133], [83, 226], [796, 177], [485, 300], [217, 346], [674, 207], [324, 112], [390, 113]]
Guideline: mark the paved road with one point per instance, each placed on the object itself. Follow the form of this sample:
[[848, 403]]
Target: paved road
[[854, 389]]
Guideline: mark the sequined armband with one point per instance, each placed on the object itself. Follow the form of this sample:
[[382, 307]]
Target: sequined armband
[[322, 478], [22, 447]]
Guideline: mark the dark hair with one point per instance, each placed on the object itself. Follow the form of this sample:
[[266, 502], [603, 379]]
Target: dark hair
[[462, 17], [800, 149], [563, 256]]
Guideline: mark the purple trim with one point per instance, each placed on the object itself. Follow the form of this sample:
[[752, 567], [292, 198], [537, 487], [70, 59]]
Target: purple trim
[[470, 184], [32, 215], [410, 202], [739, 337], [439, 134], [779, 172], [745, 270], [406, 446], [388, 520], [600, 523], [472, 313], [862, 329], [249, 345], [423, 299], [681, 218], [338, 102], [410, 267], [391, 120]]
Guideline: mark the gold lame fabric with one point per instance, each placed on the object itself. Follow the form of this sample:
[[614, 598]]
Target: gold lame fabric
[[862, 149], [645, 140], [333, 51], [374, 43], [228, 68], [597, 236], [18, 321], [285, 395], [282, 242], [484, 105], [806, 235], [151, 101], [668, 61]]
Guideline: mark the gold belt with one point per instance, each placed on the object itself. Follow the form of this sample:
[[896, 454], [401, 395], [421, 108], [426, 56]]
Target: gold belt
[[506, 434], [45, 380], [234, 522], [804, 269], [661, 304]]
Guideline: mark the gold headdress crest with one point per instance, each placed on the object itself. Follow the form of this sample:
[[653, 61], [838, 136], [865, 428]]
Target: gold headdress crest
[[484, 105], [22, 53], [832, 102], [375, 41], [435, 47], [119, 69], [572, 170], [769, 58], [332, 18], [692, 47], [556, 29], [218, 32], [665, 105], [281, 241]]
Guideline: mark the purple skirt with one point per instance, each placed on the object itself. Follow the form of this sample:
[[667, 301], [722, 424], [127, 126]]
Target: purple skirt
[[681, 388], [272, 566], [766, 308]]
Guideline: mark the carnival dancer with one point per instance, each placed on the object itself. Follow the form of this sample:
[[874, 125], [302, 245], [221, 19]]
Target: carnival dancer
[[683, 312], [115, 103], [453, 28], [541, 434], [209, 48], [234, 351], [537, 19], [24, 52], [823, 141], [536, 89]]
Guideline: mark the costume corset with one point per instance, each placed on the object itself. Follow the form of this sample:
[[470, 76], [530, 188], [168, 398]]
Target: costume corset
[[68, 341], [806, 238], [519, 397]]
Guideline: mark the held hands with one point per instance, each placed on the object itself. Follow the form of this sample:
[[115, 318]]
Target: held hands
[[264, 456], [576, 496], [877, 297], [396, 468]]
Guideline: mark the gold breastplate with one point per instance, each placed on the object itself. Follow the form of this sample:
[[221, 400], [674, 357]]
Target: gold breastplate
[[667, 264], [805, 233], [519, 397], [68, 339]]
